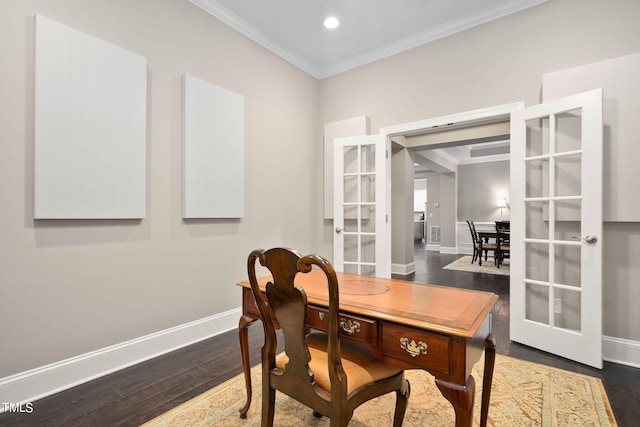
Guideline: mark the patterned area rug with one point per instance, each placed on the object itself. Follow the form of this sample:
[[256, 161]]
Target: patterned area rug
[[464, 264], [523, 394]]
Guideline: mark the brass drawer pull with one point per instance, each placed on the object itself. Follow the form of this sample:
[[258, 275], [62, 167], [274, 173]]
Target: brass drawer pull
[[350, 326], [412, 348]]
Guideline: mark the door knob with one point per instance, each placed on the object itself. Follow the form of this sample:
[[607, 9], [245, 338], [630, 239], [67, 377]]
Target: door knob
[[340, 230], [589, 238]]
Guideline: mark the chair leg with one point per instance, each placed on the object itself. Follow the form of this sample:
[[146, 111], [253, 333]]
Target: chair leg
[[339, 414], [336, 422], [268, 406], [402, 399]]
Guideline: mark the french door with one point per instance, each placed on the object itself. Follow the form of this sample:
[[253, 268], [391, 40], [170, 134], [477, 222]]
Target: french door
[[361, 226], [556, 227]]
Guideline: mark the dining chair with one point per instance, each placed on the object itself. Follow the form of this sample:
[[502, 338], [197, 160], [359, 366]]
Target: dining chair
[[503, 242], [503, 225], [329, 375], [477, 244]]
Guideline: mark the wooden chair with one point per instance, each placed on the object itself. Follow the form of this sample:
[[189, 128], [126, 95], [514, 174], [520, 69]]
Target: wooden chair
[[503, 225], [503, 241], [486, 246], [329, 375]]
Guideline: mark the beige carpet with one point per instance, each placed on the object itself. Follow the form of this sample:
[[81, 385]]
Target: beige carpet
[[464, 264], [523, 394]]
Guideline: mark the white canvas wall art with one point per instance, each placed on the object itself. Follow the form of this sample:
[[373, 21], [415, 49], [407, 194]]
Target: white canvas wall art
[[90, 126], [213, 151]]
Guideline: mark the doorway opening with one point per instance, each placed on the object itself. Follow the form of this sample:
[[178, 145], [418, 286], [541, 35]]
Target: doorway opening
[[440, 149]]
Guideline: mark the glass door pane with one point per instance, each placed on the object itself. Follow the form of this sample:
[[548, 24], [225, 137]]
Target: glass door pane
[[359, 207], [552, 220]]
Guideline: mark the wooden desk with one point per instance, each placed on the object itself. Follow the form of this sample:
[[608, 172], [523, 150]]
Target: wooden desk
[[412, 326]]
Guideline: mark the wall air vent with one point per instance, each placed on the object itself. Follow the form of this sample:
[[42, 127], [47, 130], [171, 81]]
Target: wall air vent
[[434, 234]]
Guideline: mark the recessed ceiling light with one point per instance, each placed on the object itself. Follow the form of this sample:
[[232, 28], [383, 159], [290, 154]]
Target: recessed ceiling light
[[331, 22]]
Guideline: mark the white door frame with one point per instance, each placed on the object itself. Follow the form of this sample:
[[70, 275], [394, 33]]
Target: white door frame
[[438, 124], [443, 123]]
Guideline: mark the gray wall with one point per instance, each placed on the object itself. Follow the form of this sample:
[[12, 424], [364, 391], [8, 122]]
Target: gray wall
[[479, 186], [498, 63], [402, 207], [70, 287], [434, 196], [447, 212]]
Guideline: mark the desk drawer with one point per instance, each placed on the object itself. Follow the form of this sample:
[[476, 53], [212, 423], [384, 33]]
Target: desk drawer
[[354, 327], [422, 349]]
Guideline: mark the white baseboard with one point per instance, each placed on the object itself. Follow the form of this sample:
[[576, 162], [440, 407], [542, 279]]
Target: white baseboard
[[622, 351], [433, 247], [46, 380], [403, 269], [448, 250]]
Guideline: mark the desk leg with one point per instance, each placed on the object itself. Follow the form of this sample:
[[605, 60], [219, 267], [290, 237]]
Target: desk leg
[[487, 380], [243, 334], [461, 397]]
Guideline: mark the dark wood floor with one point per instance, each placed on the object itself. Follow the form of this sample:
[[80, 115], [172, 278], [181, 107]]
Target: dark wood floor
[[142, 392]]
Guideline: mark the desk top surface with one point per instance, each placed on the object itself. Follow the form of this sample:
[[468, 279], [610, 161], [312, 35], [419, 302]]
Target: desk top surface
[[453, 311]]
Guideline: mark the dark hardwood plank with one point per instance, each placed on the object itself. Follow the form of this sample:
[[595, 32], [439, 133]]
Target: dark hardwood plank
[[137, 394]]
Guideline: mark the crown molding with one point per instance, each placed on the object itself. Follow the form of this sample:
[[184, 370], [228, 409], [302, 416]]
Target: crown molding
[[214, 8], [234, 21], [430, 35]]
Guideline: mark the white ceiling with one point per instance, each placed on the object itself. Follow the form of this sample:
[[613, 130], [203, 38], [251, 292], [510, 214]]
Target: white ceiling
[[369, 29], [444, 160]]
